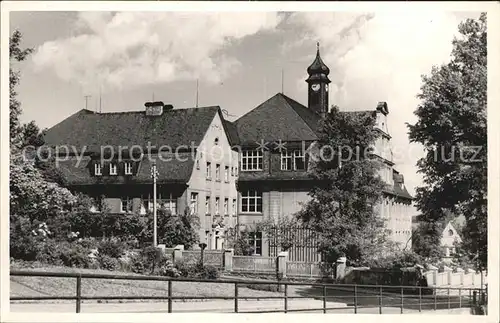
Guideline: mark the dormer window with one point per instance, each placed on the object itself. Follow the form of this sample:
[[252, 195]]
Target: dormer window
[[252, 160], [97, 170], [113, 169], [128, 168], [293, 160]]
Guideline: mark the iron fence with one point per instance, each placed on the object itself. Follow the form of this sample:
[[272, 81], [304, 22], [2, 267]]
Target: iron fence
[[355, 297]]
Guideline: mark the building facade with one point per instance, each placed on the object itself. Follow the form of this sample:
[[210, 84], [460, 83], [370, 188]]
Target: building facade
[[230, 174], [277, 139], [111, 158]]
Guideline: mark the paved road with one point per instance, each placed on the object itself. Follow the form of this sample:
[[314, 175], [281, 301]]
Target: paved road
[[218, 306]]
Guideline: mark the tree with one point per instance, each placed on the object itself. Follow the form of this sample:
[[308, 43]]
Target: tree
[[281, 232], [177, 229], [342, 207], [240, 242], [427, 240], [452, 127], [16, 54]]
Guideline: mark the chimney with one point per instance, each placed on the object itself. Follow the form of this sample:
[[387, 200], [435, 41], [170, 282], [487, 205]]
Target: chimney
[[154, 108]]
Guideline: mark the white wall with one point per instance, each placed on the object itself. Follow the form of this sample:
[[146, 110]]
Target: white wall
[[221, 153]]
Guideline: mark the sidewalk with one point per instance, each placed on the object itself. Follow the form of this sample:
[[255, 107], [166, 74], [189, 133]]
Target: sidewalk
[[220, 306]]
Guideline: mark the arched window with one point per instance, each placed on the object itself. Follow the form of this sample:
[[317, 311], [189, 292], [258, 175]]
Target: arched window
[[450, 232], [216, 141]]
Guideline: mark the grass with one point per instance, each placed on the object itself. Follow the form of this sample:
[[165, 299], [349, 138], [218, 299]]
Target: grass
[[54, 286]]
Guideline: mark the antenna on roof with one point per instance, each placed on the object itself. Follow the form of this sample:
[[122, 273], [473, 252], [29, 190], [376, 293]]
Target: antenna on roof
[[100, 99], [86, 97], [197, 90], [282, 82]]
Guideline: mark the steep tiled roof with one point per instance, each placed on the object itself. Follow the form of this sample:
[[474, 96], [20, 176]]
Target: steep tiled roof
[[232, 132], [93, 130], [278, 118], [399, 189], [174, 170]]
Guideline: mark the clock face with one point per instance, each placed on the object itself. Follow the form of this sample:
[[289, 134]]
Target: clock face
[[315, 87]]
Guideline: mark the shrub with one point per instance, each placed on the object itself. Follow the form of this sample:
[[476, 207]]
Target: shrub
[[111, 247], [186, 269], [196, 270], [50, 253], [209, 272], [108, 263], [74, 255], [168, 269], [136, 263]]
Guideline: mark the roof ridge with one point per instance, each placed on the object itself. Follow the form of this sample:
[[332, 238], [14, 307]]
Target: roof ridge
[[261, 104], [142, 111]]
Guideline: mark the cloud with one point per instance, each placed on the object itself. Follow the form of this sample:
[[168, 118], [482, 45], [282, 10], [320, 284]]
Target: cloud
[[381, 57], [120, 50]]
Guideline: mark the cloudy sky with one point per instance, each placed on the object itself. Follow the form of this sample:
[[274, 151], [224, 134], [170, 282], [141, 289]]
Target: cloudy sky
[[131, 57]]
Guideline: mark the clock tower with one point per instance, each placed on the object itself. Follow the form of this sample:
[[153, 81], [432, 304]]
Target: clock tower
[[318, 85]]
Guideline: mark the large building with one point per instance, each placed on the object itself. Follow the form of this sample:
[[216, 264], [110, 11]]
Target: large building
[[234, 174], [112, 154]]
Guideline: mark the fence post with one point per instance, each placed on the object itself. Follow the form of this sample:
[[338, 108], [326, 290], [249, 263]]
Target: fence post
[[228, 259], [474, 298], [282, 259], [340, 272], [449, 300], [380, 301], [435, 299], [178, 253], [236, 297], [286, 297], [402, 299], [420, 299], [169, 296], [355, 299], [460, 298], [78, 293], [324, 299]]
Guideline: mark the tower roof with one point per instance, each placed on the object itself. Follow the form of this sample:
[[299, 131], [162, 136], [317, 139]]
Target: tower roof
[[318, 69]]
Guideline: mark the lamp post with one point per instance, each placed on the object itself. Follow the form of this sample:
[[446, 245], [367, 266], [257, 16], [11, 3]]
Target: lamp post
[[154, 175]]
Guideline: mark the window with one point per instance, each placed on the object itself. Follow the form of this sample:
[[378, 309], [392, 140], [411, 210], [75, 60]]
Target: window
[[217, 200], [128, 168], [255, 240], [216, 141], [97, 169], [299, 160], [293, 160], [226, 206], [193, 206], [112, 169], [209, 170], [251, 160], [236, 171], [126, 205], [251, 202], [234, 207], [166, 201], [450, 232], [169, 203], [197, 164], [207, 205], [217, 172], [226, 174]]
